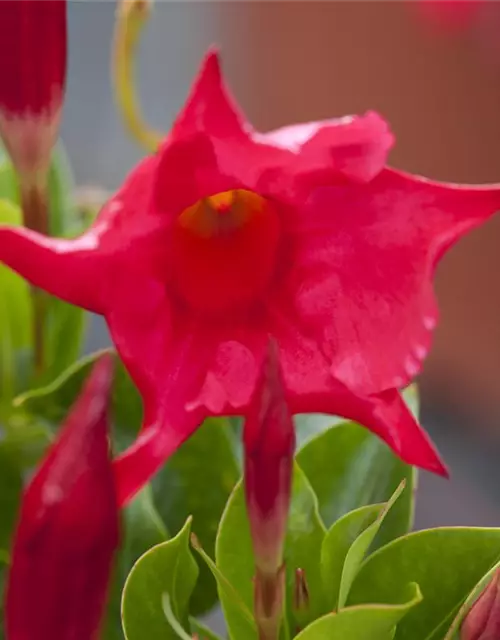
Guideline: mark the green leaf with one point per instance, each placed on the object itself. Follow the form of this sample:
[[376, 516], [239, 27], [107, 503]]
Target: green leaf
[[142, 528], [348, 467], [197, 484], [242, 620], [470, 600], [367, 622], [204, 633], [359, 548], [338, 540], [166, 568], [15, 321], [310, 425], [235, 558], [446, 563]]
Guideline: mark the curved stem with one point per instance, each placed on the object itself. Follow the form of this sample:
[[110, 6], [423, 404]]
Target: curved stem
[[131, 17]]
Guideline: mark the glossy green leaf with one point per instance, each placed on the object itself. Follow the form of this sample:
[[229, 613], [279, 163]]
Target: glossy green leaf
[[235, 558], [168, 568], [359, 548], [446, 563], [15, 321], [142, 528], [197, 481], [242, 626], [338, 540], [366, 622], [310, 425], [348, 467]]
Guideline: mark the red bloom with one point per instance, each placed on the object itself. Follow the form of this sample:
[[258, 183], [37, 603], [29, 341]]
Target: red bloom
[[483, 620], [32, 77], [68, 529], [227, 236]]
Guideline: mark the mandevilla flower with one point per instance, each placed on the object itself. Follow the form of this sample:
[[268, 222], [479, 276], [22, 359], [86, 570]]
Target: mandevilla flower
[[483, 620], [68, 528], [269, 445], [226, 236], [32, 78]]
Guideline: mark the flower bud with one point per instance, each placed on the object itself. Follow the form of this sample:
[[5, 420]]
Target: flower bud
[[269, 445], [483, 620], [68, 528], [32, 79]]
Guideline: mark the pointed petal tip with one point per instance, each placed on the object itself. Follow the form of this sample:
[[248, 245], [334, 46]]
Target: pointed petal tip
[[211, 62]]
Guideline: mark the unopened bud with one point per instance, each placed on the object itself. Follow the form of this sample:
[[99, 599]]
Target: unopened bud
[[32, 80], [483, 620], [269, 443], [68, 528]]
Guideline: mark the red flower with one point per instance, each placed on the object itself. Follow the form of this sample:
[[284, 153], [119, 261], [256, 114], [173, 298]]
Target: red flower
[[32, 77], [68, 529], [226, 236], [483, 620]]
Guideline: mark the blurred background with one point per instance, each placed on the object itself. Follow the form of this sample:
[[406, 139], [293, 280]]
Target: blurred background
[[434, 74]]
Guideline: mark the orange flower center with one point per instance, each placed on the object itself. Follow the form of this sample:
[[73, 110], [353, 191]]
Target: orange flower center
[[225, 251]]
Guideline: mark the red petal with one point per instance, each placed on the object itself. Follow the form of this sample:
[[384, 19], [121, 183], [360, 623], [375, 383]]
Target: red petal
[[312, 388], [73, 270], [361, 276], [168, 367], [210, 107], [328, 152], [189, 171], [68, 528]]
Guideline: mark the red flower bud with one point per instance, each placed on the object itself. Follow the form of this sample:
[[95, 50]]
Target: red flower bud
[[483, 620], [68, 528], [269, 442], [32, 78]]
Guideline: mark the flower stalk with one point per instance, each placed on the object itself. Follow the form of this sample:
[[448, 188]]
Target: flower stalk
[[131, 17], [32, 83]]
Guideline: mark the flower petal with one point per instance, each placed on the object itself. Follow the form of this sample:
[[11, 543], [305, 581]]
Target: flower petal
[[312, 388], [362, 275], [188, 171], [73, 270], [353, 148], [210, 108], [166, 364]]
